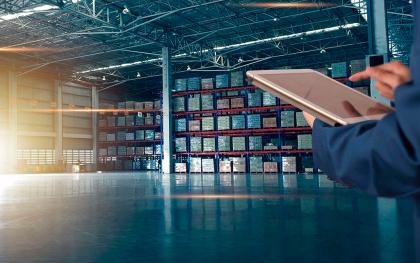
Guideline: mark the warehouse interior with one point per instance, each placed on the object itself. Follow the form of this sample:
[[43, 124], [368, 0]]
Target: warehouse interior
[[131, 133]]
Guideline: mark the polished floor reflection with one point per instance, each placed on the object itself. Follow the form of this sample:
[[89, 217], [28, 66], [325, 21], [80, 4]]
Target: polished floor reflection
[[147, 217]]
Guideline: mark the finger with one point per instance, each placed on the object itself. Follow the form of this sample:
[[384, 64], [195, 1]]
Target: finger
[[359, 76], [350, 109], [381, 86], [386, 77], [397, 68], [387, 94]]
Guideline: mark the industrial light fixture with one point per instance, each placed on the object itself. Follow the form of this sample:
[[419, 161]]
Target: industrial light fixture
[[188, 68], [75, 1], [322, 51], [240, 60], [28, 12], [138, 74], [125, 10], [103, 78], [275, 19]]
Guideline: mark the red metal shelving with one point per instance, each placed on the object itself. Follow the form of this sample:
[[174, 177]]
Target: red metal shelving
[[263, 108], [211, 91], [261, 131], [128, 142], [141, 127], [244, 152], [130, 156]]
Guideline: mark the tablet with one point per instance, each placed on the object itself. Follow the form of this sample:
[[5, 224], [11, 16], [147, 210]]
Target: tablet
[[319, 95]]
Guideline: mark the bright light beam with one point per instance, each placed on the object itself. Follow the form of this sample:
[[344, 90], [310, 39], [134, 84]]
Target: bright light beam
[[287, 5]]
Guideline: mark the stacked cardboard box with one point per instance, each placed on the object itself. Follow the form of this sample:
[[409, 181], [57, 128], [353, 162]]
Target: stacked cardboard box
[[207, 165], [112, 150], [300, 120], [304, 141], [121, 136], [180, 125], [256, 164], [254, 121], [237, 79], [271, 167], [289, 164], [238, 164], [223, 104], [196, 144], [268, 99], [224, 144], [180, 168], [194, 83], [270, 122], [149, 134], [195, 165], [209, 144], [131, 150], [102, 123], [237, 103], [140, 135], [194, 125], [207, 102], [158, 119], [179, 104], [129, 120], [225, 166], [194, 103], [180, 84], [148, 120], [103, 152], [207, 83], [181, 144], [129, 136], [139, 150], [254, 99], [148, 105], [238, 144], [222, 81], [223, 123], [148, 150], [287, 119], [238, 122], [121, 150], [208, 123], [110, 120], [255, 143], [102, 136], [156, 104], [129, 105], [139, 120], [121, 121], [340, 70]]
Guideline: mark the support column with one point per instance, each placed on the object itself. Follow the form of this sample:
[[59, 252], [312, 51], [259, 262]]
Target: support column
[[95, 106], [378, 37], [13, 121], [59, 122], [167, 162]]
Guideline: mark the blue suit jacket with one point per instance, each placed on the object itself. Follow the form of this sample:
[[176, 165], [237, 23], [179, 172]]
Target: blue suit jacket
[[379, 157]]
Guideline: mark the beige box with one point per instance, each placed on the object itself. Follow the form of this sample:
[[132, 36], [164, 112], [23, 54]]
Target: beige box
[[270, 122], [180, 168], [271, 167], [225, 166]]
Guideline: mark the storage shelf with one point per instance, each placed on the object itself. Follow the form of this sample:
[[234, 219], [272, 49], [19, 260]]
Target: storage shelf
[[211, 91], [141, 127], [263, 131], [129, 142], [126, 111], [244, 152], [130, 156], [263, 108]]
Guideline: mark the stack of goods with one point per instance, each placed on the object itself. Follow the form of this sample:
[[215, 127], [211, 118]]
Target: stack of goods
[[270, 122], [357, 66], [271, 167], [102, 152], [156, 104], [130, 120], [255, 143], [256, 164], [254, 121], [238, 164], [131, 150], [287, 119], [148, 150], [194, 103], [207, 83], [224, 143], [207, 165], [236, 79], [180, 125], [237, 103], [180, 168], [238, 122], [149, 105], [207, 102], [208, 123], [209, 144], [289, 164], [271, 146], [225, 166], [102, 123], [102, 136], [254, 99], [300, 120], [194, 83], [196, 144], [222, 81], [269, 100], [139, 150], [304, 141], [121, 121], [112, 150], [149, 135], [181, 144], [195, 165], [110, 121], [194, 125], [139, 120], [180, 84], [129, 136], [340, 70], [179, 104], [121, 150], [121, 136], [148, 120], [238, 144], [223, 123], [140, 135], [223, 104]]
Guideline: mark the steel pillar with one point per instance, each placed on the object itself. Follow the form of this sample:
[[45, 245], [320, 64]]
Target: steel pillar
[[13, 121], [95, 106], [167, 162], [59, 122]]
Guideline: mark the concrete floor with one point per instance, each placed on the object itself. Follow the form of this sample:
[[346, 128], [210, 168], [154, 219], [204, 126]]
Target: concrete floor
[[144, 217]]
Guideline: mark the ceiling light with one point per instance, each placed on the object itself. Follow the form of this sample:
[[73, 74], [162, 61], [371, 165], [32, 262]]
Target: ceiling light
[[125, 10], [188, 68], [322, 51], [138, 74], [103, 78], [75, 1], [28, 12], [275, 19], [240, 60]]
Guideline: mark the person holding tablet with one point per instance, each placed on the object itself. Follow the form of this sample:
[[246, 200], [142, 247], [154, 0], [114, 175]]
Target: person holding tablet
[[380, 157]]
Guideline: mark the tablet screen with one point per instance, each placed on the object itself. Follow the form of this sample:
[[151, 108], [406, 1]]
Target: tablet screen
[[331, 96]]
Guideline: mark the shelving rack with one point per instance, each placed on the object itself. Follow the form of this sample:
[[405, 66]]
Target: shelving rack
[[116, 161]]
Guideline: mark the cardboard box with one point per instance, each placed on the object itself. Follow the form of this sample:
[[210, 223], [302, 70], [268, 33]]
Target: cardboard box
[[207, 165], [238, 144], [223, 123], [129, 120], [270, 122], [271, 167], [237, 103], [131, 150], [304, 141], [340, 70], [224, 143], [139, 121], [236, 79], [121, 150], [194, 103], [129, 136], [194, 125], [238, 122], [194, 83], [223, 104], [103, 152], [300, 120], [149, 134], [179, 104], [238, 164], [102, 136], [208, 124], [254, 121], [196, 144], [287, 119], [207, 83], [289, 164], [222, 81], [256, 164], [121, 136], [255, 143], [180, 84], [269, 100], [139, 150], [195, 165], [148, 120], [180, 168], [209, 144], [111, 121], [207, 102], [180, 125], [112, 150], [121, 121], [225, 166], [140, 135], [102, 123], [254, 99]]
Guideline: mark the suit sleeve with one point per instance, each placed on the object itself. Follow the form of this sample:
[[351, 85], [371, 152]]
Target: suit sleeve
[[379, 157]]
